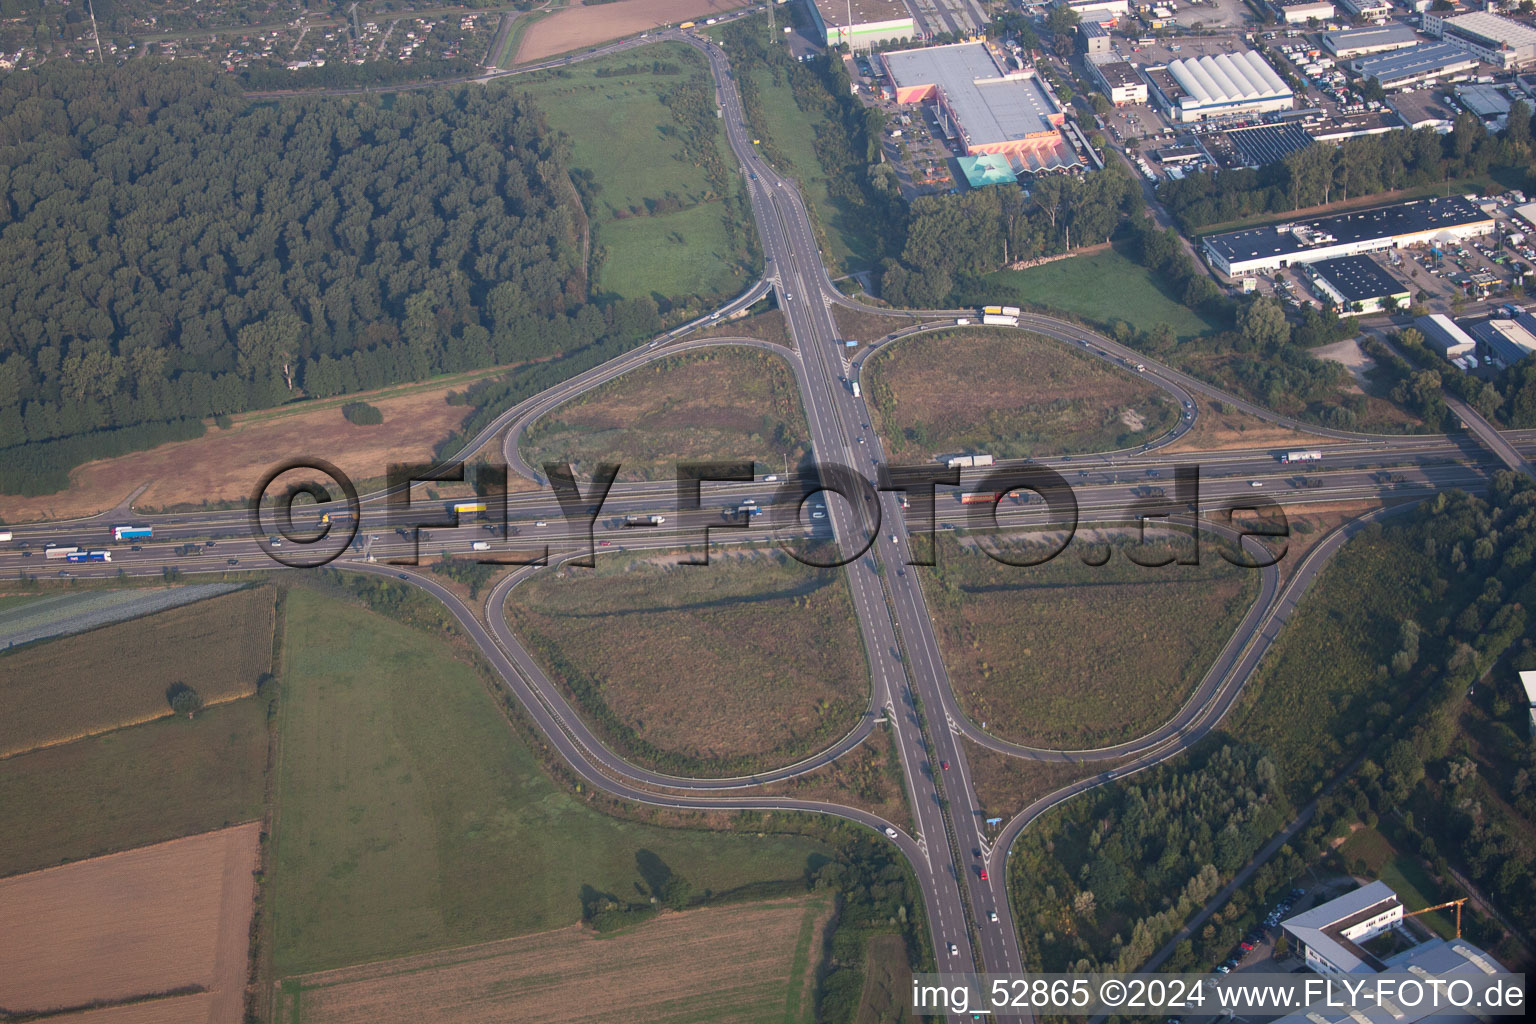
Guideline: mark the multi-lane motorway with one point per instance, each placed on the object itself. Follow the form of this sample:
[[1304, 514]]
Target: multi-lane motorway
[[950, 846]]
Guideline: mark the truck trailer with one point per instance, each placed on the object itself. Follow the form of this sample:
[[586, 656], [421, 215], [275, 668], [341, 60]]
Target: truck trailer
[[644, 520], [132, 532], [89, 556], [1312, 456], [1000, 320], [60, 551]]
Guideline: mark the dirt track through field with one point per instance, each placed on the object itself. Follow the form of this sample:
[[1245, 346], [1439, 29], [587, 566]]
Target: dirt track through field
[[574, 27], [160, 918], [726, 964]]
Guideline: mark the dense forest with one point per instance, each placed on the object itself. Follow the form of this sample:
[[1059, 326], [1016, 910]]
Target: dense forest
[[175, 251], [1357, 167]]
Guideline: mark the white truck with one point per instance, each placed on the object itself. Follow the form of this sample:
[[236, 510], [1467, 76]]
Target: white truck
[[855, 386], [480, 545]]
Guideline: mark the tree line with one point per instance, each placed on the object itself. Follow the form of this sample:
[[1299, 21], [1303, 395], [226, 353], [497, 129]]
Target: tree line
[[175, 251]]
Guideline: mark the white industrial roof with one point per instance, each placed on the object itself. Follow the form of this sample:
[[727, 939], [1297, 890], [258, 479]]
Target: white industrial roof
[[1228, 78]]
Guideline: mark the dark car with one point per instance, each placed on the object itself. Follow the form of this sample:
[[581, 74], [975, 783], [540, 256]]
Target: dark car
[[234, 561]]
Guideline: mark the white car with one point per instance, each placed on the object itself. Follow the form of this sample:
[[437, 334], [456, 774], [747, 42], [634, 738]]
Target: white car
[[953, 949], [890, 832], [992, 916]]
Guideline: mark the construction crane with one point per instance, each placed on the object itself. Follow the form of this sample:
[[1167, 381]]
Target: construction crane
[[1441, 906]]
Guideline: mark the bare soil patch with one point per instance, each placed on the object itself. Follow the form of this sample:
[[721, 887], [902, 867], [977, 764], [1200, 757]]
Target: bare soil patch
[[574, 27], [1219, 430], [722, 964], [78, 686], [1347, 353], [225, 465], [157, 919]]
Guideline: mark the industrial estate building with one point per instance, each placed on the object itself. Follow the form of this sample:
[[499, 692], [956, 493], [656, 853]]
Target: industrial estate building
[[1357, 286], [1100, 12], [1224, 85], [1095, 38], [1362, 42], [1297, 12], [1367, 9], [863, 23], [1493, 40], [1507, 341], [1442, 334], [1235, 253], [1332, 939], [988, 108], [1417, 66], [1119, 81], [1329, 936]]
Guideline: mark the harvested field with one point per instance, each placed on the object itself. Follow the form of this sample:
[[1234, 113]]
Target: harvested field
[[745, 963], [1220, 427], [157, 919], [158, 781], [750, 661], [1012, 394], [190, 1009], [59, 614], [117, 676], [1068, 654], [726, 403], [574, 27], [887, 982], [224, 465]]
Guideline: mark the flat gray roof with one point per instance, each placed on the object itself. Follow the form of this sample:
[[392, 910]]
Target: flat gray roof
[[1384, 35], [1417, 61], [865, 12], [990, 108]]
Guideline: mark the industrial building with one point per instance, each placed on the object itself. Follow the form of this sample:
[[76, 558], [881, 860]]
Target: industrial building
[[1119, 81], [1095, 38], [1528, 683], [1299, 12], [988, 108], [1236, 253], [1100, 12], [1487, 103], [1418, 66], [1442, 335], [1224, 85], [1329, 936], [1357, 286], [863, 23], [1507, 341], [1493, 40], [1362, 42], [1367, 9]]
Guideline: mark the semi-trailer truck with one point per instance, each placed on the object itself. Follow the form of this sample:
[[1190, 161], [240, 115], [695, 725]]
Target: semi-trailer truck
[[463, 508], [60, 551], [644, 520], [1313, 456], [132, 532], [89, 556], [1000, 320], [855, 386]]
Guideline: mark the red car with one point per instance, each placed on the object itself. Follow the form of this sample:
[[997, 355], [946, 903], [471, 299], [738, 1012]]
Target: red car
[[983, 874], [944, 765]]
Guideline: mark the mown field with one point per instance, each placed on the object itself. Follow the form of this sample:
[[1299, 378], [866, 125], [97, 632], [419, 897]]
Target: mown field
[[118, 675], [752, 660], [410, 817], [1103, 287], [1067, 654], [1011, 394], [145, 784], [729, 403], [742, 964], [661, 228]]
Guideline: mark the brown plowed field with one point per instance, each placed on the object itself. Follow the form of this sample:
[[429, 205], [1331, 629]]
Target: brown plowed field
[[156, 919], [743, 963], [575, 27]]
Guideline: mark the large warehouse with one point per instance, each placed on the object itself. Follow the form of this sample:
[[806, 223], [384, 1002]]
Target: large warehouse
[[1235, 253], [988, 108], [1225, 85], [1417, 66], [863, 23], [1494, 40], [1362, 42]]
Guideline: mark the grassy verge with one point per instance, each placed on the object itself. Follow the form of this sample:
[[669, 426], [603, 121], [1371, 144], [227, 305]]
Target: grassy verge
[[1074, 655], [727, 403], [411, 818], [1103, 287], [751, 661], [1011, 394]]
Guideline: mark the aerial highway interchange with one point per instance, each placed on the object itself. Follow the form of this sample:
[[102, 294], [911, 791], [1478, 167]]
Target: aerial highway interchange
[[909, 684]]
